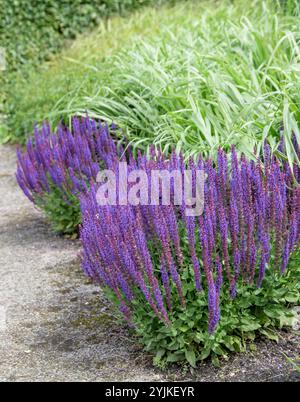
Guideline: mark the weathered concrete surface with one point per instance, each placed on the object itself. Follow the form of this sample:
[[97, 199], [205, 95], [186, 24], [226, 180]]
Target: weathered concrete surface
[[56, 326]]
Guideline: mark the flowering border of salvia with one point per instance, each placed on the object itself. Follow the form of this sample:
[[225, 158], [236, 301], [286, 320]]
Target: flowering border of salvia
[[67, 160], [251, 212]]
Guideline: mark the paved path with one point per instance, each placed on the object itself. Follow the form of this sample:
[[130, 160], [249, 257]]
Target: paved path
[[56, 326]]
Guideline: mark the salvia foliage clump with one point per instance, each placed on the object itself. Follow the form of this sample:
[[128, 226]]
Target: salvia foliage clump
[[188, 284], [250, 225], [57, 167]]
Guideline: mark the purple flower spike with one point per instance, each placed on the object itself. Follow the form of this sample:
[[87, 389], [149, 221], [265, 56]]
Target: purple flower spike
[[147, 252]]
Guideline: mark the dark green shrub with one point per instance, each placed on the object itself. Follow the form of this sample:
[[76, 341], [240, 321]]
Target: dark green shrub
[[33, 30]]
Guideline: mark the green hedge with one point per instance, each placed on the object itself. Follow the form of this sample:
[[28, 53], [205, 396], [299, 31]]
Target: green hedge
[[31, 30]]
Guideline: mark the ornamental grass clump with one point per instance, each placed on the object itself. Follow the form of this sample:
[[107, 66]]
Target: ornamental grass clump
[[196, 285], [58, 166]]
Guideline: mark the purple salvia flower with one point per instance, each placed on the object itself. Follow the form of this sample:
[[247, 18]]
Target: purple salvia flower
[[234, 230], [224, 239], [265, 256], [190, 221]]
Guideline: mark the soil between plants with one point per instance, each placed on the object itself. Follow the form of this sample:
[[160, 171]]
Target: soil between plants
[[57, 326]]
